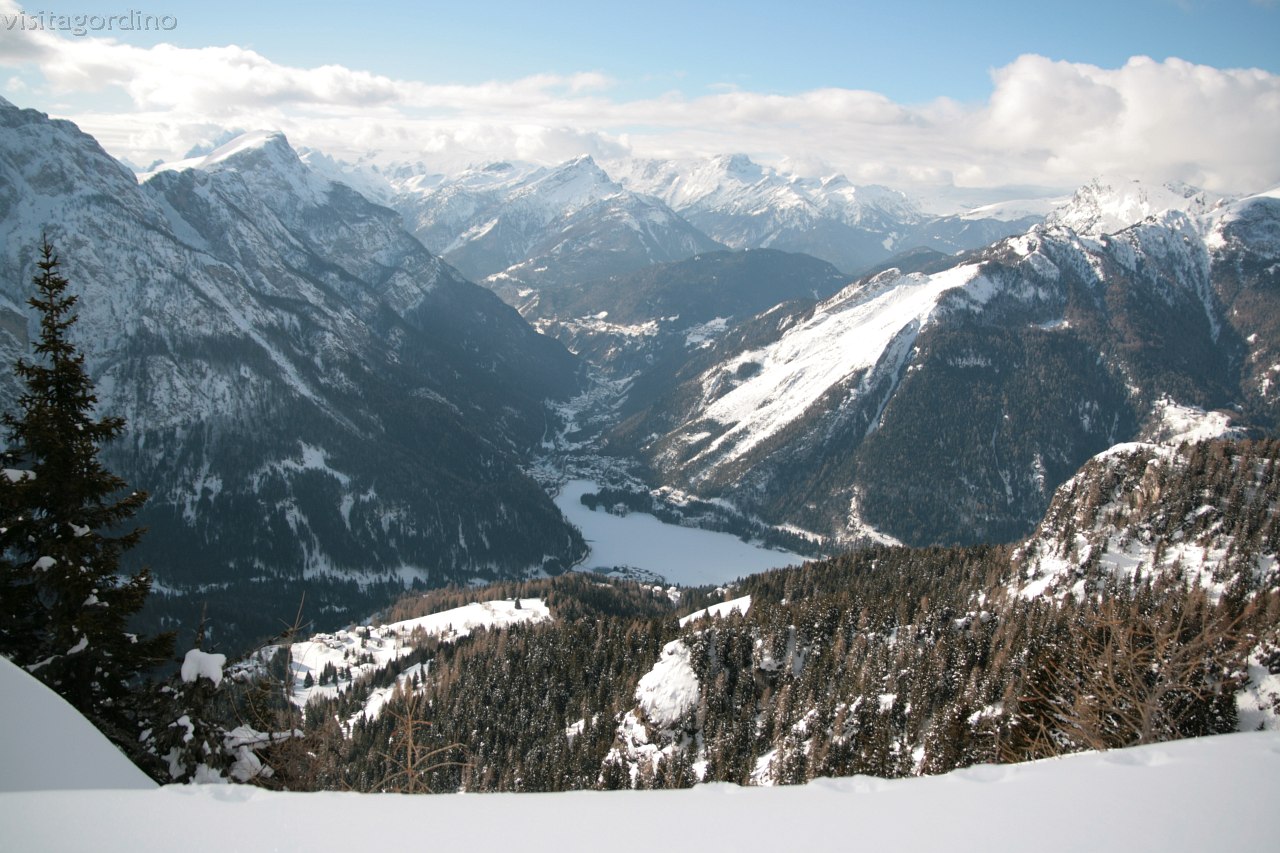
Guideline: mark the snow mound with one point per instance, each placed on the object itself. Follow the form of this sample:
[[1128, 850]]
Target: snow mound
[[45, 744], [198, 664], [669, 690]]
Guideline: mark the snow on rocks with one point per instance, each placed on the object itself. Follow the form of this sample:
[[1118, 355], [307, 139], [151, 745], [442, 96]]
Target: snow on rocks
[[1173, 423], [665, 695], [669, 691]]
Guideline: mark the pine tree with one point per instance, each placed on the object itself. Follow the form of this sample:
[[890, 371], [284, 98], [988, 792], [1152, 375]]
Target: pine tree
[[65, 605]]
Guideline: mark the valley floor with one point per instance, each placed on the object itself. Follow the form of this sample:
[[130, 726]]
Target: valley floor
[[1215, 793]]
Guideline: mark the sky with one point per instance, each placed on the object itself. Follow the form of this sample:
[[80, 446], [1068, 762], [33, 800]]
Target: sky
[[911, 94]]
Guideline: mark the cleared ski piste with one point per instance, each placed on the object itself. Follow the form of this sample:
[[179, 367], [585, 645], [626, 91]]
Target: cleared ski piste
[[681, 555]]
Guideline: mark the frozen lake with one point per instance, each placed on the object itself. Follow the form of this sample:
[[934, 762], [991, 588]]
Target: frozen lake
[[682, 555]]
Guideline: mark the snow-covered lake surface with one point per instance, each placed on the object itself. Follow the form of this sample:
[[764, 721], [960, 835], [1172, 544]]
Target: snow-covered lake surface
[[681, 555]]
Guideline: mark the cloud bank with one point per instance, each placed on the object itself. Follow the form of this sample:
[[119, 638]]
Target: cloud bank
[[1046, 123]]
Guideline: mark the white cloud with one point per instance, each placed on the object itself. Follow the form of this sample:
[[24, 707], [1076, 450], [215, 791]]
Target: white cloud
[[1046, 122]]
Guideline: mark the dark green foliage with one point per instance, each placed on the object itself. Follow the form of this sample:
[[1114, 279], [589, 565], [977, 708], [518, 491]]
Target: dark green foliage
[[887, 661], [67, 600]]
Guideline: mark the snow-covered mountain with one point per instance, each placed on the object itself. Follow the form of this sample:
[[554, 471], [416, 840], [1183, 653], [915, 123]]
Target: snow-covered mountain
[[310, 393], [1142, 509], [746, 205], [522, 229], [1109, 204], [529, 226], [946, 406]]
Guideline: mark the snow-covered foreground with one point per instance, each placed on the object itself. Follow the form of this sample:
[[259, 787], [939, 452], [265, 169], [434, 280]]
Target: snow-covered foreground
[[1207, 794], [681, 555], [45, 744]]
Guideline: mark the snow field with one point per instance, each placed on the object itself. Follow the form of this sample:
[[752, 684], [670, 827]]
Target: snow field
[[1205, 794]]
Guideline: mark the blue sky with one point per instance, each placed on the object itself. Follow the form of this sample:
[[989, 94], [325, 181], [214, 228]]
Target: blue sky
[[978, 94], [911, 50]]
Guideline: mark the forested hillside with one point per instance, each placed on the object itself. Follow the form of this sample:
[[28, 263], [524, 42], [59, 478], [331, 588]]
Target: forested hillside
[[889, 661]]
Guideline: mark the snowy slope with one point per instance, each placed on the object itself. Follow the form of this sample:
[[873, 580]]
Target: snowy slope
[[368, 648], [1044, 349], [846, 335], [723, 609], [1196, 795], [46, 745]]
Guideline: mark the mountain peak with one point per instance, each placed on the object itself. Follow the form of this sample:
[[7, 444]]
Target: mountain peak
[[739, 166], [1108, 204], [254, 140], [238, 151]]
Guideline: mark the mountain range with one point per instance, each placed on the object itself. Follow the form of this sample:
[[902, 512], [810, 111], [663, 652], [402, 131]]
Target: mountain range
[[945, 405], [319, 398]]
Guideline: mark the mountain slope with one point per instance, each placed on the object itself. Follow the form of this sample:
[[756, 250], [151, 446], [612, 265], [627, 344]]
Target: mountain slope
[[310, 393], [945, 407], [522, 229]]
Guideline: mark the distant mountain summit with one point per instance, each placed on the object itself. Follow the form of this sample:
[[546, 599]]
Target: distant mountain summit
[[522, 230], [745, 205], [1106, 205]]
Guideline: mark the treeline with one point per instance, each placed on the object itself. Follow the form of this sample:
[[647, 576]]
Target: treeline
[[889, 662]]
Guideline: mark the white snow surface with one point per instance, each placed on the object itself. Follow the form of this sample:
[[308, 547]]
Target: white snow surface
[[1213, 793], [724, 608], [385, 643], [681, 555], [669, 690], [850, 332], [45, 744]]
